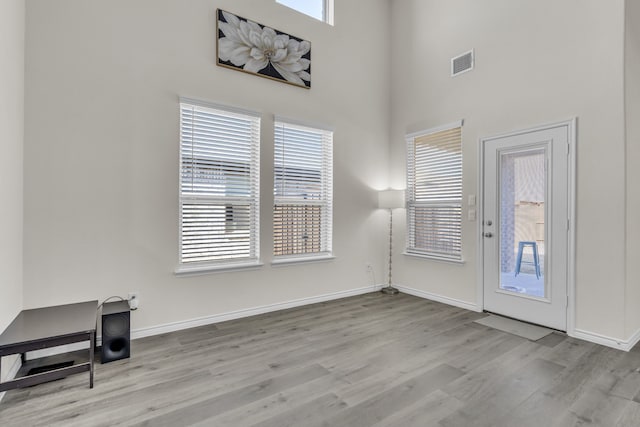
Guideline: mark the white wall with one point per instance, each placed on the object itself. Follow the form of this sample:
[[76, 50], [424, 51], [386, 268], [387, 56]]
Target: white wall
[[101, 149], [12, 28], [632, 104], [536, 62]]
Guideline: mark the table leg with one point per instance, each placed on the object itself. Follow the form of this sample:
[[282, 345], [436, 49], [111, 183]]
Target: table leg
[[92, 346], [23, 358]]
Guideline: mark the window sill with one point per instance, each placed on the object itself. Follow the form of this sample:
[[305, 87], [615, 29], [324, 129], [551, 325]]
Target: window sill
[[182, 270], [301, 260], [435, 258]]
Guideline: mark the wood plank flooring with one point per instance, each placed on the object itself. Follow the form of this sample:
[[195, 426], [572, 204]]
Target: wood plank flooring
[[370, 360]]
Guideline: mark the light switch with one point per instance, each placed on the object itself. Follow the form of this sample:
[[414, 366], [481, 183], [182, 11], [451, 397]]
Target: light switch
[[471, 215], [472, 200]]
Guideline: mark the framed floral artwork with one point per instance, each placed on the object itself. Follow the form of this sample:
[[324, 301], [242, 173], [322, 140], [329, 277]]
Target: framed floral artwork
[[257, 49]]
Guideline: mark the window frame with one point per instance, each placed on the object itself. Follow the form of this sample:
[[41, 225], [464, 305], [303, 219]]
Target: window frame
[[325, 201], [451, 203], [251, 201]]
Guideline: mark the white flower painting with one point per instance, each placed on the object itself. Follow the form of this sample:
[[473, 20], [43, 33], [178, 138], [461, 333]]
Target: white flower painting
[[254, 48]]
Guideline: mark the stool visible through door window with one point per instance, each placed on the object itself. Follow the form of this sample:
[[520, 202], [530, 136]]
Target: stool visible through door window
[[536, 259]]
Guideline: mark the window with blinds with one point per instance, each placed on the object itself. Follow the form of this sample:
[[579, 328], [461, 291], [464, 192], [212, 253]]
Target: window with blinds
[[434, 193], [219, 185], [303, 168]]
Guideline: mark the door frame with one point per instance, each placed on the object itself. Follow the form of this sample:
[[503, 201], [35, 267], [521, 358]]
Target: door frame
[[571, 126]]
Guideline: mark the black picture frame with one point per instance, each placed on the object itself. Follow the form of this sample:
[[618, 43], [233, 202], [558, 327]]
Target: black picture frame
[[253, 48]]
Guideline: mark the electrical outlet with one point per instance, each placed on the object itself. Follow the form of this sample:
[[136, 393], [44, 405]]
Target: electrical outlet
[[134, 300]]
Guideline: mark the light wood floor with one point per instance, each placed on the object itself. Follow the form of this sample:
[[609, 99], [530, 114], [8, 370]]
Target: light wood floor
[[371, 360]]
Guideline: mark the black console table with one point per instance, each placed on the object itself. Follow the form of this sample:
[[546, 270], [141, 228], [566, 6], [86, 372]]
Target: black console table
[[46, 327]]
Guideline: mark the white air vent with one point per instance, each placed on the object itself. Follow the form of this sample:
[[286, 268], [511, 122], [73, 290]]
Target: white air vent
[[462, 63]]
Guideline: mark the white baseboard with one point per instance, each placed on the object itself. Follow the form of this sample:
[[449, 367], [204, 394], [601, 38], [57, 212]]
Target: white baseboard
[[439, 298], [11, 373], [633, 340], [208, 320], [619, 344], [223, 317]]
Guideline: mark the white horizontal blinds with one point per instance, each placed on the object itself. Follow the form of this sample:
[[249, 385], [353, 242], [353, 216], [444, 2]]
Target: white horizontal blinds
[[219, 185], [434, 184], [303, 168]]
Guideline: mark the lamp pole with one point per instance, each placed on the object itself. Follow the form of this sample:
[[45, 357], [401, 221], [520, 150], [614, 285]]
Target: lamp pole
[[389, 289], [390, 199]]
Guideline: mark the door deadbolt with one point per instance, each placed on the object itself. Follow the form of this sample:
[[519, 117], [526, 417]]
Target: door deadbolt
[[489, 222]]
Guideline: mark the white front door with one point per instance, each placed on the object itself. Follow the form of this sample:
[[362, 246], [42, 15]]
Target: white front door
[[525, 225]]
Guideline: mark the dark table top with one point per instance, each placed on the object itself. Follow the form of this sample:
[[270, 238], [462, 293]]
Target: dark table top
[[50, 322]]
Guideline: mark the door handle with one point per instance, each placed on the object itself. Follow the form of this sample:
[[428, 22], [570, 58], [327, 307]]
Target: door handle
[[488, 234]]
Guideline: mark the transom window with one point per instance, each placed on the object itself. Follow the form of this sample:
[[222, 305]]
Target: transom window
[[219, 186], [434, 193], [302, 215], [322, 10]]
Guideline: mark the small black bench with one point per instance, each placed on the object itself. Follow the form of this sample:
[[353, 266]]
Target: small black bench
[[46, 327]]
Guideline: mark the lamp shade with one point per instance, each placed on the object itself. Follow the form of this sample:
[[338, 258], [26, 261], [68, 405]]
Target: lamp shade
[[391, 199]]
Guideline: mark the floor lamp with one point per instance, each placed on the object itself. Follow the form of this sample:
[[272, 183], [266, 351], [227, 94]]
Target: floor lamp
[[390, 199]]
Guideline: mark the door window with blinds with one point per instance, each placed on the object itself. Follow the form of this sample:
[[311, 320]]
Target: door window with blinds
[[219, 186], [302, 214], [434, 193]]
